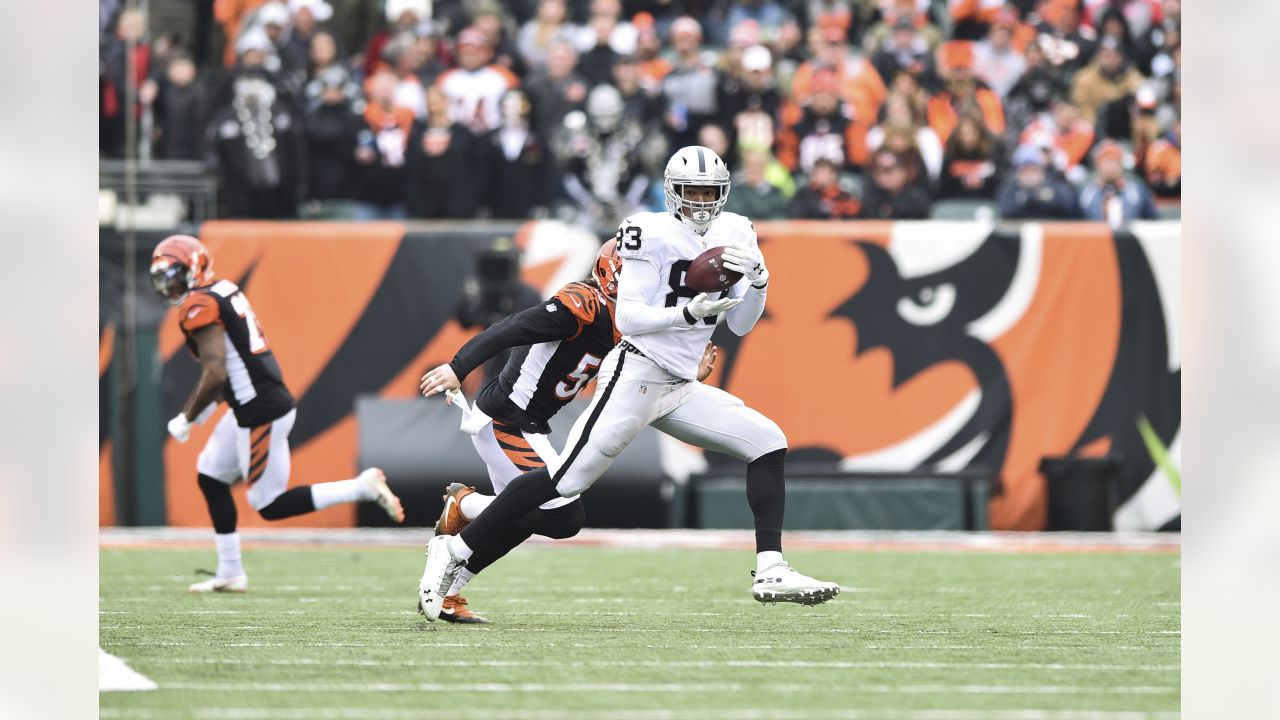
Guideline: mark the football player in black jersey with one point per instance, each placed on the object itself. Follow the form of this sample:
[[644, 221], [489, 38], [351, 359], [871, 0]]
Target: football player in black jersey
[[561, 344], [251, 442]]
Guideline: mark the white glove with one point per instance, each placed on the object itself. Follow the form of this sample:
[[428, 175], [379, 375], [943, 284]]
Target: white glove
[[747, 261], [180, 428], [700, 307]]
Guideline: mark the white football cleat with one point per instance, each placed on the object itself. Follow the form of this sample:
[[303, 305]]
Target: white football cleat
[[437, 577], [781, 583], [374, 483], [237, 584]]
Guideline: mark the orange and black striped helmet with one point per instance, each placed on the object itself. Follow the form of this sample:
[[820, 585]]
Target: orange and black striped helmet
[[179, 264], [607, 266]]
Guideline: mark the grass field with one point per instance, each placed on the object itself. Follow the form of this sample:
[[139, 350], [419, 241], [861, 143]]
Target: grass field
[[629, 634]]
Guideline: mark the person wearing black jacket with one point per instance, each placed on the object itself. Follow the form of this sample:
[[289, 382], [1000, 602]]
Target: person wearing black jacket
[[255, 143], [445, 170], [519, 162], [1032, 192], [561, 344], [894, 190], [332, 126]]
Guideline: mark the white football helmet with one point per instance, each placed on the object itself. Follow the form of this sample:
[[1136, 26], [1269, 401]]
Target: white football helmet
[[695, 165]]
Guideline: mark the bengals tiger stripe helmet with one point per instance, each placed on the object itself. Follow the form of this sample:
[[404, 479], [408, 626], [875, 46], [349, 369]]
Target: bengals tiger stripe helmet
[[179, 264], [606, 269]]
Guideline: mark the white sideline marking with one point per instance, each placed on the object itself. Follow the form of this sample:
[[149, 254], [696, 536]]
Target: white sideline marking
[[115, 675], [815, 664], [676, 687], [643, 714], [330, 713]]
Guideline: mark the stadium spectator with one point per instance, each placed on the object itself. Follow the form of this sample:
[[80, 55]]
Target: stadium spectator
[[305, 17], [404, 58], [439, 148], [901, 109], [380, 150], [903, 51], [1032, 192], [538, 34], [641, 107], [1034, 93], [996, 61], [893, 189], [355, 22], [859, 83], [606, 21], [1138, 14], [843, 14], [557, 90], [181, 108], [689, 89], [1156, 48], [232, 14], [131, 24], [767, 15], [653, 66], [750, 97], [256, 144], [1162, 164], [519, 183], [971, 167], [1112, 195], [1066, 45], [893, 12], [822, 198], [973, 19], [819, 129], [1113, 25], [402, 16], [955, 64], [290, 59], [491, 21], [598, 55], [753, 195], [1065, 134], [607, 160], [475, 87], [1109, 77], [332, 125]]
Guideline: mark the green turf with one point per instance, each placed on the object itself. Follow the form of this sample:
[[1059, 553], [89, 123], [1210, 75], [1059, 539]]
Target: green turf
[[630, 634]]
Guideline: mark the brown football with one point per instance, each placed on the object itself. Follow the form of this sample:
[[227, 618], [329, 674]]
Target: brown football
[[706, 272]]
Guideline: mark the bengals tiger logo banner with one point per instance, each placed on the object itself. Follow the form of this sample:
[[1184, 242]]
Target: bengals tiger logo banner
[[884, 346], [949, 345]]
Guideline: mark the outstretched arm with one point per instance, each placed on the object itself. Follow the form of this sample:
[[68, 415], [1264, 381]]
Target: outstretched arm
[[749, 262], [544, 322]]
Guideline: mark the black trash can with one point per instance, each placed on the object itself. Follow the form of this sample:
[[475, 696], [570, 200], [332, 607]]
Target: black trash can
[[1083, 492]]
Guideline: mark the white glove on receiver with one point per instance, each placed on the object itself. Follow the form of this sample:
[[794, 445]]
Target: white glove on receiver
[[700, 307], [747, 261]]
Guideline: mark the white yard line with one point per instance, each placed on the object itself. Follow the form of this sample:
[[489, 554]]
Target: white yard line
[[674, 688], [683, 539], [814, 664], [115, 675], [464, 713]]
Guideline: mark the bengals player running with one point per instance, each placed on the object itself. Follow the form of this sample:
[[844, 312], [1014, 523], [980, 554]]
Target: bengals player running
[[251, 442], [562, 343]]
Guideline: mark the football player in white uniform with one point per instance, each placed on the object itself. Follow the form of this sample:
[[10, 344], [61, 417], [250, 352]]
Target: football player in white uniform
[[650, 379]]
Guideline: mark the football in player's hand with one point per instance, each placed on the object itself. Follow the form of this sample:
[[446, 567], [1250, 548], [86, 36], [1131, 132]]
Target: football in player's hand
[[707, 272]]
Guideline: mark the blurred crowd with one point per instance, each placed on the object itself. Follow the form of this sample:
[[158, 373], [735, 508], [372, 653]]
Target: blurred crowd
[[885, 109]]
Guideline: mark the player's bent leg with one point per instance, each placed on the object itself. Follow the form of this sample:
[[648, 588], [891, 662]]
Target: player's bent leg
[[558, 523], [218, 468]]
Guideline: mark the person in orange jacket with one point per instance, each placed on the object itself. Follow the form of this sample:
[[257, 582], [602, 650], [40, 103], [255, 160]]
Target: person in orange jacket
[[955, 65]]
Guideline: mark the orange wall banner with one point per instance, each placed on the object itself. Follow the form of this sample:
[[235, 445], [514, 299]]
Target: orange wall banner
[[884, 346]]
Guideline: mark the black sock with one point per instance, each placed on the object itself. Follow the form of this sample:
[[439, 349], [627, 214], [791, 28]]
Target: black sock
[[767, 496], [508, 539], [294, 501], [525, 493], [222, 509]]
